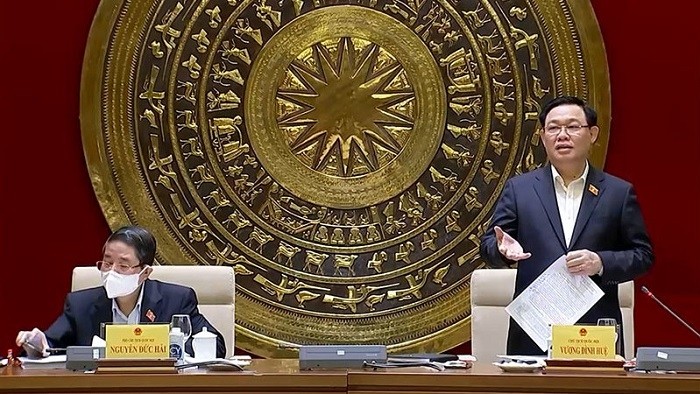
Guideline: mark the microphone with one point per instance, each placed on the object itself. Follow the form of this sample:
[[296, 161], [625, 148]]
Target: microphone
[[653, 297]]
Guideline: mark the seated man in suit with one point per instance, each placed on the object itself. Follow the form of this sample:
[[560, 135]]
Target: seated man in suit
[[126, 296], [568, 208]]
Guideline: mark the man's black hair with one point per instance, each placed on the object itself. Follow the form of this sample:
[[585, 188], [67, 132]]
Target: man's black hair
[[138, 238], [591, 115]]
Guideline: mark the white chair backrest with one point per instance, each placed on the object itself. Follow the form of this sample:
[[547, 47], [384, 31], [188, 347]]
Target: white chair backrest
[[492, 290], [214, 285]]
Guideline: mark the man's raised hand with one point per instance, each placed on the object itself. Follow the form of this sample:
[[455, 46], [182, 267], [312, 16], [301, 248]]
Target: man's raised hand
[[509, 247]]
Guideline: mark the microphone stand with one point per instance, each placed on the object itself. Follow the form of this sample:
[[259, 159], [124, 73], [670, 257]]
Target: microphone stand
[[653, 297]]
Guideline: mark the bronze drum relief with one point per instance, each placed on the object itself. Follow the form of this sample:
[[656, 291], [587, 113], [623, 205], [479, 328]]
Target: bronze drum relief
[[342, 156]]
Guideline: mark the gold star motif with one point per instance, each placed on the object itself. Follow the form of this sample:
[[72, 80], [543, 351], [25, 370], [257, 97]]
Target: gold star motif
[[345, 107]]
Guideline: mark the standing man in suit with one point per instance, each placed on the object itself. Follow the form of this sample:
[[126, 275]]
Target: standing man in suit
[[126, 296], [568, 208]]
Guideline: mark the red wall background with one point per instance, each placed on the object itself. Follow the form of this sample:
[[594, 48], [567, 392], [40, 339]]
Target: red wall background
[[50, 220]]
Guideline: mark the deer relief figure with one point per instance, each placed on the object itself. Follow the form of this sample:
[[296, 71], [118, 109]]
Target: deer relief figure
[[204, 175], [286, 250], [219, 199], [346, 262], [238, 221], [495, 64], [474, 18], [189, 121], [260, 237], [194, 148], [189, 94], [500, 88], [377, 260], [490, 43], [316, 260]]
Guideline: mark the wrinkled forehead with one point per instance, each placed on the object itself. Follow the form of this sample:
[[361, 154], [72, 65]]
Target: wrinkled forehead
[[566, 113], [119, 251]]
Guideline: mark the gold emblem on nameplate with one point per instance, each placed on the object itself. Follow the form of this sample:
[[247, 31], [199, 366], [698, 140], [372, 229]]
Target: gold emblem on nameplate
[[342, 156]]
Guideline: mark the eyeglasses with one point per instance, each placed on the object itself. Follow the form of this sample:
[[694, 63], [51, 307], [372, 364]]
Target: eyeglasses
[[121, 268], [570, 130]]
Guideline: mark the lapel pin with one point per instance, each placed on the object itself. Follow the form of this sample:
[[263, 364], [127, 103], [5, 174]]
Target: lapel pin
[[593, 189], [150, 315]]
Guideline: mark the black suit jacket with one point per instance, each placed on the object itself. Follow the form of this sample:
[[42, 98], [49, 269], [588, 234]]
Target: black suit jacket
[[609, 223], [85, 310]]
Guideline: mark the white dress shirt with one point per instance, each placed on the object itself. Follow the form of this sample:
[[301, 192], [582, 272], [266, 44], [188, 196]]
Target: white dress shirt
[[569, 200], [134, 317]]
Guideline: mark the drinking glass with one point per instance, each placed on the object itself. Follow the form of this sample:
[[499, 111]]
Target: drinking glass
[[609, 321]]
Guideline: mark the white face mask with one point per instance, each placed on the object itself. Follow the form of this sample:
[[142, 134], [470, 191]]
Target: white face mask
[[119, 285]]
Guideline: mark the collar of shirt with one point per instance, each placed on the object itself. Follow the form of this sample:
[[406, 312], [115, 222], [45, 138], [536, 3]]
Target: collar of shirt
[[569, 201], [134, 317], [559, 180]]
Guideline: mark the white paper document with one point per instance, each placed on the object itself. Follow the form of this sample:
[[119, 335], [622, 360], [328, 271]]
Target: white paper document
[[98, 342], [555, 297], [50, 362]]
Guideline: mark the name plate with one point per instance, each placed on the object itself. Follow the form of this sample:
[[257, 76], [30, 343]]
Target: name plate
[[583, 342], [137, 341]]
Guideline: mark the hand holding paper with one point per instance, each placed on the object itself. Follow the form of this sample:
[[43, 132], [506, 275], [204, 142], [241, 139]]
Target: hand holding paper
[[555, 297], [583, 262], [34, 342], [509, 247]]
